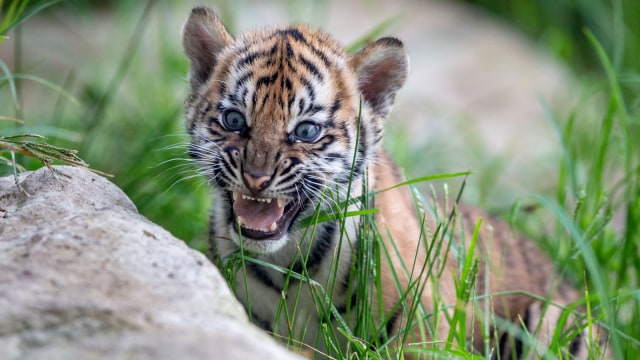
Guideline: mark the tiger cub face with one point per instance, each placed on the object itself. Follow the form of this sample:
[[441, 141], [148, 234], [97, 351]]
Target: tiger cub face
[[279, 115]]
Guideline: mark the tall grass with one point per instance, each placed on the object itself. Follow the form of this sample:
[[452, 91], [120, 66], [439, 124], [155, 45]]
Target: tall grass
[[28, 144], [128, 123]]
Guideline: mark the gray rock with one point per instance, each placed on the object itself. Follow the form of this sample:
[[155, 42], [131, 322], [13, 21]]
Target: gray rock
[[84, 276]]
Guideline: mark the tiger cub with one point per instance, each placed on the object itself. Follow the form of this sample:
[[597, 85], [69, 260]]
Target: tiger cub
[[286, 125]]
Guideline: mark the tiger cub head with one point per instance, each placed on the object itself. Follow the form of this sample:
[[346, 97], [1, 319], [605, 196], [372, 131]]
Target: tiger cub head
[[279, 115]]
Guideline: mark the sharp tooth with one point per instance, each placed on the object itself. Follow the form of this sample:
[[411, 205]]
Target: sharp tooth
[[273, 226], [235, 196], [239, 220], [280, 202], [267, 200]]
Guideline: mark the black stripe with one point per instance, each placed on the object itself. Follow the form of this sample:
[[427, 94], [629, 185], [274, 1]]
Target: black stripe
[[362, 150], [214, 132], [220, 177], [261, 274], [289, 86], [310, 90], [294, 33], [227, 167], [377, 135], [321, 55], [243, 79], [229, 196], [290, 178], [231, 160], [302, 104], [193, 152], [331, 157], [206, 109], [262, 323], [344, 128], [263, 101], [290, 65], [250, 58], [335, 107], [293, 188], [297, 35], [294, 162], [326, 141], [290, 101], [254, 100], [519, 346], [241, 83], [311, 67], [391, 324], [318, 252], [358, 168], [503, 345], [574, 345], [314, 110], [290, 53], [243, 96], [266, 80]]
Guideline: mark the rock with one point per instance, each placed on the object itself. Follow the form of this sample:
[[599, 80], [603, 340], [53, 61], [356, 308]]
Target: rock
[[84, 276]]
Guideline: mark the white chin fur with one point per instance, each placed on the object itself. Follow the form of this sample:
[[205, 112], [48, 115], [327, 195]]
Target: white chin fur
[[259, 246]]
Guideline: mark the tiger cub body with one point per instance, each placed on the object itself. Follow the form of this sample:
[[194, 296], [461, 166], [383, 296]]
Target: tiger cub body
[[285, 124]]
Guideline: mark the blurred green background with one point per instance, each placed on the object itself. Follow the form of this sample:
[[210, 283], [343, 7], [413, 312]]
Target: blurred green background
[[108, 78]]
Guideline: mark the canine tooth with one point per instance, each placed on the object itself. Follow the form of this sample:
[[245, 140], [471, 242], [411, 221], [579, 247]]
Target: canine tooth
[[273, 226], [280, 202], [239, 220], [235, 196]]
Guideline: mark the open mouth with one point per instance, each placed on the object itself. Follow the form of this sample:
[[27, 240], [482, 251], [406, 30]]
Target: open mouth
[[263, 218]]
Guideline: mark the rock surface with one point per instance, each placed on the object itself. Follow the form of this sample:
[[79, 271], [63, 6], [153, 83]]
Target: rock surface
[[84, 276]]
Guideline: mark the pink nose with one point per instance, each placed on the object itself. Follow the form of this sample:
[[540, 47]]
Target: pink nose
[[256, 183]]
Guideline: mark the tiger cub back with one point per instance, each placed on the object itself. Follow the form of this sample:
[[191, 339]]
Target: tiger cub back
[[288, 128]]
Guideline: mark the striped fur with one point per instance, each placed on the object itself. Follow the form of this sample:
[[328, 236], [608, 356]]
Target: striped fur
[[283, 122]]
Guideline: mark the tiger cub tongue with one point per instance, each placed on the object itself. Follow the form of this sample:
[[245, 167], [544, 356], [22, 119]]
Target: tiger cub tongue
[[256, 214]]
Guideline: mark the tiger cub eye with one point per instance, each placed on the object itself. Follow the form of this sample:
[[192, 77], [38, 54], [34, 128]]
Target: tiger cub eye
[[307, 131], [233, 120]]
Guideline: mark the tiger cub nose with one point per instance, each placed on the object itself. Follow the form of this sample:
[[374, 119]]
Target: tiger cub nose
[[256, 182]]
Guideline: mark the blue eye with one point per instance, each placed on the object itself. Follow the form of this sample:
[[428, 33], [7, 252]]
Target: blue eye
[[233, 120], [307, 131]]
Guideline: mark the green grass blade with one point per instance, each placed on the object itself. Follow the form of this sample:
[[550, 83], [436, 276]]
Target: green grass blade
[[12, 84], [44, 82]]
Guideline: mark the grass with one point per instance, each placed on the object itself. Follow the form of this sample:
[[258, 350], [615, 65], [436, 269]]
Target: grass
[[125, 119]]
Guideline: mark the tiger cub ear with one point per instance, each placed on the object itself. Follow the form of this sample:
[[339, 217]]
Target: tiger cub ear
[[381, 68], [203, 38]]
